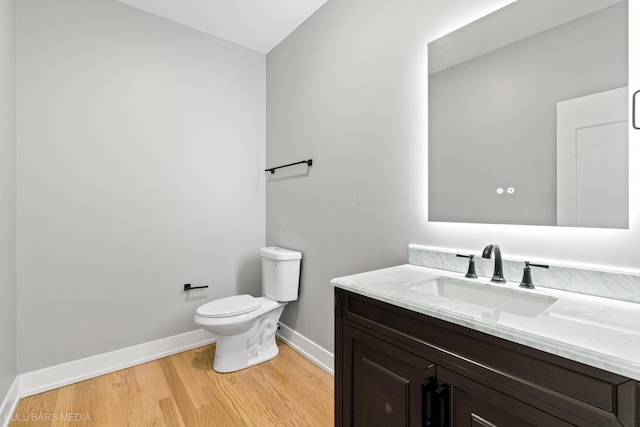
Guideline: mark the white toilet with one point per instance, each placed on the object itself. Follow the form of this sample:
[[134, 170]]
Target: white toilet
[[246, 326]]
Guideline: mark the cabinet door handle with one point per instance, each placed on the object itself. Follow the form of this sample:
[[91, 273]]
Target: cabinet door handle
[[427, 402], [440, 406], [435, 404]]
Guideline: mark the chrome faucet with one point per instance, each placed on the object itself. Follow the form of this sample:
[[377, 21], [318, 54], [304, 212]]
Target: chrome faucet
[[497, 269]]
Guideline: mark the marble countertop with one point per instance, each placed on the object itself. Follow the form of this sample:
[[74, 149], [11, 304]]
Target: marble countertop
[[600, 332]]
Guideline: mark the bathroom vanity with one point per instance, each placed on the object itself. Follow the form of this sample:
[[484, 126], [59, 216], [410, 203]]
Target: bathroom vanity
[[418, 346]]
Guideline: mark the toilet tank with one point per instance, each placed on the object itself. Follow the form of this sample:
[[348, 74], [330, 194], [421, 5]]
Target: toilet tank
[[280, 273]]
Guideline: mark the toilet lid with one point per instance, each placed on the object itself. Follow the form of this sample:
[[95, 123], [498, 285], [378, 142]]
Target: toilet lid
[[229, 306]]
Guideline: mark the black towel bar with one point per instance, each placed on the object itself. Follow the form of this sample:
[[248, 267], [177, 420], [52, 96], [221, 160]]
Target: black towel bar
[[308, 162]]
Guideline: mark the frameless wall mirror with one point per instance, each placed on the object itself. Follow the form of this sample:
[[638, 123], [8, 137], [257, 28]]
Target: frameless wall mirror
[[529, 116]]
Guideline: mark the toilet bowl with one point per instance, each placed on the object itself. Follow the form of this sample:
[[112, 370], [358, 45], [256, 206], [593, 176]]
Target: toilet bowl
[[245, 325], [246, 338]]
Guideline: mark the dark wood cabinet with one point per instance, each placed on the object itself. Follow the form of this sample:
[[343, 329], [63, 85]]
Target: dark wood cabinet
[[472, 404], [388, 382], [395, 367]]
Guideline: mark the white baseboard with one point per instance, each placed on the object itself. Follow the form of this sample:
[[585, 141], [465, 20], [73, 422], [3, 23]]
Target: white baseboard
[[10, 402], [307, 348], [79, 370]]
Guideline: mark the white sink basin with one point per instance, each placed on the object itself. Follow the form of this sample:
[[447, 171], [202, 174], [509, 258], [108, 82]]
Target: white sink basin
[[497, 298]]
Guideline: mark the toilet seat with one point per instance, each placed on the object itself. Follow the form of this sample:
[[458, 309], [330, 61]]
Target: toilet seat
[[229, 306]]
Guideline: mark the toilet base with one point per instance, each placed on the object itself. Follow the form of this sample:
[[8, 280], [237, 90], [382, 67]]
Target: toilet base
[[257, 345]]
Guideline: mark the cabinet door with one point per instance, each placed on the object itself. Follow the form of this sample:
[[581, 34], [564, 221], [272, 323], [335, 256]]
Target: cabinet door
[[472, 404], [383, 384]]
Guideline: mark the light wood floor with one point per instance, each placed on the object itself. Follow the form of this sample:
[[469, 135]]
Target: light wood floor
[[183, 390]]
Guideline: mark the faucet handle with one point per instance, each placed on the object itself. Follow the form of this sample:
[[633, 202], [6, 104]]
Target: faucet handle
[[527, 281], [471, 271]]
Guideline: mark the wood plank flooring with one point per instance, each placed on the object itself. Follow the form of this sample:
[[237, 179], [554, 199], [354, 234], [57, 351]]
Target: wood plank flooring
[[183, 390]]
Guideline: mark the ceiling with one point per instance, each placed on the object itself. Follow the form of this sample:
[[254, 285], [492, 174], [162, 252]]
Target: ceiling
[[256, 24]]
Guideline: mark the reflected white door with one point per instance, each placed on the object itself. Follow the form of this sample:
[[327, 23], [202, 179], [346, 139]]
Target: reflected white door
[[593, 160]]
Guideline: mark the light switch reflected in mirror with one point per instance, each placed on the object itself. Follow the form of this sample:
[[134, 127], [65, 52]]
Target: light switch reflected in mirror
[[636, 112], [504, 93]]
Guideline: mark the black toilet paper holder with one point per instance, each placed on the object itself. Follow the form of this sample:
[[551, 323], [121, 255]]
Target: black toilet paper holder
[[188, 287]]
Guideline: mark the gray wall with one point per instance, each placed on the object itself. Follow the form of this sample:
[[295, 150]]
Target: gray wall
[[348, 88], [141, 145], [492, 119], [7, 196]]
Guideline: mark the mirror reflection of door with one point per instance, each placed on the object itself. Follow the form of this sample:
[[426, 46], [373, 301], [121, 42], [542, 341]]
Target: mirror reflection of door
[[593, 167]]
